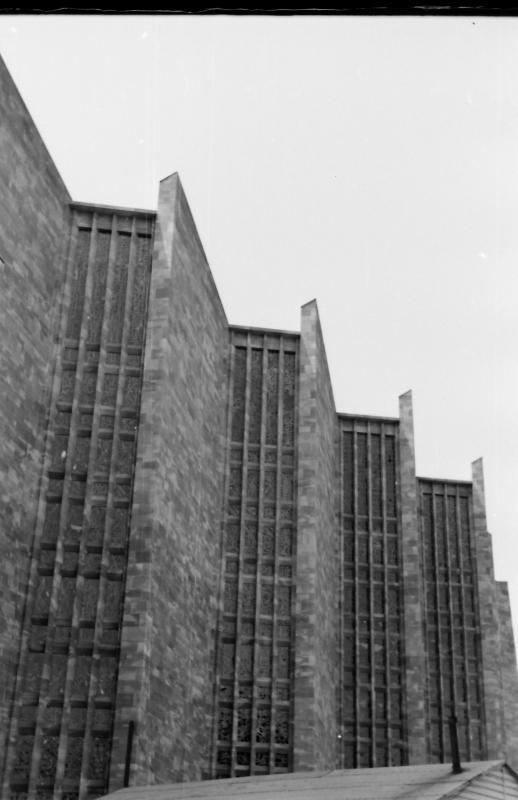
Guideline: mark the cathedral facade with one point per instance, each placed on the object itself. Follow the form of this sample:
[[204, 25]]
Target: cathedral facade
[[207, 570]]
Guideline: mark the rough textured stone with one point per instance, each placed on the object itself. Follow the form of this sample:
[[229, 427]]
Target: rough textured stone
[[264, 470], [166, 662], [34, 212], [509, 675], [489, 623], [316, 643], [413, 589], [76, 587]]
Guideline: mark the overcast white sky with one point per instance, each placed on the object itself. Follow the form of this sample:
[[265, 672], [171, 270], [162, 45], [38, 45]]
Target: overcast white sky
[[370, 162]]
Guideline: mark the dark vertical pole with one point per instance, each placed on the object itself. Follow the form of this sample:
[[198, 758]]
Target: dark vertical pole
[[129, 746], [455, 757]]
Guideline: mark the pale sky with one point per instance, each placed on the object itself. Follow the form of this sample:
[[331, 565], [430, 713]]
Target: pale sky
[[369, 162]]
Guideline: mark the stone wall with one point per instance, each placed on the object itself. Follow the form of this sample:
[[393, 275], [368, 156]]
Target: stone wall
[[488, 616], [509, 675], [316, 643], [34, 216], [167, 651], [414, 659], [67, 671]]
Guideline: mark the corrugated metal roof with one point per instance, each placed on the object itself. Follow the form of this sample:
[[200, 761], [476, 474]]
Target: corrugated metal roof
[[421, 782]]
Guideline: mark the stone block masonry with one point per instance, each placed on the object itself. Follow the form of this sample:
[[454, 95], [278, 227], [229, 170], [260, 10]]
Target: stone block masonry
[[509, 675], [316, 632], [34, 215], [415, 664], [204, 569], [67, 671], [167, 649], [488, 619]]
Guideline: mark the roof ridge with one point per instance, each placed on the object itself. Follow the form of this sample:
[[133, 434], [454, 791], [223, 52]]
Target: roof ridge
[[491, 766]]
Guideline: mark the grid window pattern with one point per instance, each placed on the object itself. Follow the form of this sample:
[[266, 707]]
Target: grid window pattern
[[371, 691], [66, 692], [254, 703], [452, 629]]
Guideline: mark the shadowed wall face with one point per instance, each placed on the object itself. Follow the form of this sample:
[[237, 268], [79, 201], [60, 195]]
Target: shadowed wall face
[[68, 672], [372, 677], [254, 682], [34, 232], [452, 621]]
